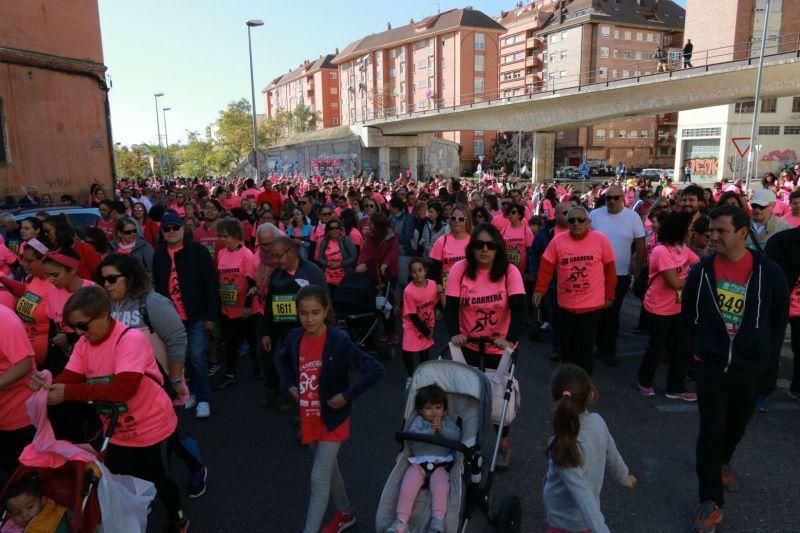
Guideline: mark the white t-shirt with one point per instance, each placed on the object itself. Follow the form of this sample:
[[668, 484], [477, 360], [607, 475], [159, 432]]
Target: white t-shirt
[[621, 229]]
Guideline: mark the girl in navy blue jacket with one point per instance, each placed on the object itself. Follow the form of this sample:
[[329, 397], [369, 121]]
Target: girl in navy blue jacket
[[313, 364]]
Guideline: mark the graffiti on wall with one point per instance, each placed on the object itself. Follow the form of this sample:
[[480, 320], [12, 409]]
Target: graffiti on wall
[[706, 166], [335, 165], [783, 157]]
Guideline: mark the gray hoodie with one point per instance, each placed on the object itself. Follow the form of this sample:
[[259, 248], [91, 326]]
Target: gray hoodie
[[572, 495], [449, 431], [162, 318]]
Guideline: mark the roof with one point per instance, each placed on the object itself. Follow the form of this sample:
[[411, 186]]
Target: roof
[[441, 22], [524, 13], [655, 14], [303, 70]]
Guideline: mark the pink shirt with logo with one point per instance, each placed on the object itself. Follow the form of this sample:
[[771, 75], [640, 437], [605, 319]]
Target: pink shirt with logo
[[333, 254], [32, 309], [791, 219], [55, 304], [661, 299], [484, 309], [420, 301], [518, 240], [234, 269], [14, 347], [449, 251]]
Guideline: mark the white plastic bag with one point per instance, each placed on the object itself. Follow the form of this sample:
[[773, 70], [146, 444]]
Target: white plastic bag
[[123, 502]]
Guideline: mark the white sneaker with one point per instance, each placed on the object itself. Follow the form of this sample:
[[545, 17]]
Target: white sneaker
[[190, 402], [203, 410]]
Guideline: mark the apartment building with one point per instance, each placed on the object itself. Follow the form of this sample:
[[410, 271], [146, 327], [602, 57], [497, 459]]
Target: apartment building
[[314, 84], [447, 59], [733, 29], [520, 48]]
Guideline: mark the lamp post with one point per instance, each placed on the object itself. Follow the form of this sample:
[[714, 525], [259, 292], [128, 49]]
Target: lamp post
[[158, 128], [253, 23], [166, 140], [752, 162]]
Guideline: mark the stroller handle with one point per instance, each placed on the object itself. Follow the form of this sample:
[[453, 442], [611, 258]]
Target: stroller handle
[[432, 439], [113, 419]]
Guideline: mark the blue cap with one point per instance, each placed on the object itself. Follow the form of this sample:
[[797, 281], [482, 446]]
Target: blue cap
[[171, 218]]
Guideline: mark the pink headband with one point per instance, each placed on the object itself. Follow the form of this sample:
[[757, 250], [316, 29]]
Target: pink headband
[[567, 393], [37, 245], [64, 260]]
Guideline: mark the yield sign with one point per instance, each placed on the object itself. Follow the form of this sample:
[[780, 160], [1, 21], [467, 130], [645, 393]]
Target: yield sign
[[742, 145]]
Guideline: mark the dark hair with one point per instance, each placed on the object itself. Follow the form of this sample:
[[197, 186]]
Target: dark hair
[[98, 238], [414, 261], [794, 194], [397, 203], [156, 212], [437, 206], [125, 221], [64, 250], [674, 228], [92, 301], [727, 195], [118, 206], [571, 390], [230, 226], [739, 218], [380, 227], [694, 190], [320, 295], [136, 277], [432, 394], [216, 203], [349, 220], [500, 265], [35, 222], [30, 484], [701, 225], [106, 202]]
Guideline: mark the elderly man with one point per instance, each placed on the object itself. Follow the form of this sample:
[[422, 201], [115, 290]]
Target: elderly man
[[764, 225], [11, 236], [625, 230]]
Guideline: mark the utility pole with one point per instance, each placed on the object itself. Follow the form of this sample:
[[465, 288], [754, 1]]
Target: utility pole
[[752, 161]]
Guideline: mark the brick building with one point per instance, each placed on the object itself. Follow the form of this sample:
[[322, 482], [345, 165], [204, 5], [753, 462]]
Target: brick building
[[55, 130], [450, 58], [314, 84], [551, 45]]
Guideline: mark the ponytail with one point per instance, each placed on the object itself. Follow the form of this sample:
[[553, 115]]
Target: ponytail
[[571, 390]]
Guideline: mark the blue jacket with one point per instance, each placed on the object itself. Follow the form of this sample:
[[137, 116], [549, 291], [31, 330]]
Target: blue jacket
[[339, 356], [760, 335]]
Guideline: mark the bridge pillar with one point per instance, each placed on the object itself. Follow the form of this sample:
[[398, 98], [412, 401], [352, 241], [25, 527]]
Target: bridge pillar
[[384, 163], [411, 157], [544, 152]]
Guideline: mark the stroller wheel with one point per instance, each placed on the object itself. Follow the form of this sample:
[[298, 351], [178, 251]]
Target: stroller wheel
[[509, 516]]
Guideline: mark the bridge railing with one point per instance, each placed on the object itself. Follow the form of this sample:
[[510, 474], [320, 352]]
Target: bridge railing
[[744, 52]]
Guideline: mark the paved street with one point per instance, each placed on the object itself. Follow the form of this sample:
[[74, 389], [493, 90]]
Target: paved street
[[259, 474]]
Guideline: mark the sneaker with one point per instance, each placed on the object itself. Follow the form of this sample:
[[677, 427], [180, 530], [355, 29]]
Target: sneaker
[[762, 406], [226, 381], [503, 458], [197, 483], [437, 526], [182, 525], [646, 391], [190, 402], [685, 396], [729, 481], [203, 410], [340, 522], [706, 518], [213, 369], [398, 526], [794, 394]]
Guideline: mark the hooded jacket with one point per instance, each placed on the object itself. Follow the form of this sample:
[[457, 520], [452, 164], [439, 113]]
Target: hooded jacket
[[760, 335]]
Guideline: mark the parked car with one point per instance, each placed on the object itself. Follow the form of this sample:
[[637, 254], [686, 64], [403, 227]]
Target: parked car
[[653, 173], [568, 173], [79, 217]]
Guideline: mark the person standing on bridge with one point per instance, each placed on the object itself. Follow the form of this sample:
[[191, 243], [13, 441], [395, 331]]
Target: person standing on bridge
[[687, 54], [661, 57]]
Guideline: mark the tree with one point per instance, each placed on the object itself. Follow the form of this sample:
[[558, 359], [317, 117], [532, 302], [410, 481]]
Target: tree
[[195, 159], [273, 128], [506, 149], [234, 137], [302, 119], [134, 162]]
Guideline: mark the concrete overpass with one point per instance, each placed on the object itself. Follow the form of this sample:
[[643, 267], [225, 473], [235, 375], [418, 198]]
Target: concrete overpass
[[549, 111]]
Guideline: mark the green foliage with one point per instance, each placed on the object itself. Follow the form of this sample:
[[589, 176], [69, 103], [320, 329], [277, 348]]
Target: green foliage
[[196, 158]]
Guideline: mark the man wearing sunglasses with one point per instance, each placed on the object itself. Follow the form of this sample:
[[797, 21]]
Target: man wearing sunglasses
[[625, 230], [764, 225]]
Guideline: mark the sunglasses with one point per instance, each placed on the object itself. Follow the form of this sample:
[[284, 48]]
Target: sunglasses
[[485, 245], [614, 197], [128, 231], [170, 228], [573, 220], [759, 207], [81, 326], [458, 219], [369, 206], [325, 214], [111, 278]]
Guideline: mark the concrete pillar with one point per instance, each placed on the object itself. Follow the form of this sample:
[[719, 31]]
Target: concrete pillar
[[384, 163], [411, 156], [544, 151]]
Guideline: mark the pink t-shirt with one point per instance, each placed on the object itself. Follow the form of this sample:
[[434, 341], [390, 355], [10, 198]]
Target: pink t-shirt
[[420, 301], [32, 309], [234, 268], [518, 240], [499, 221], [333, 254], [449, 251], [791, 219], [7, 258], [208, 238], [661, 299], [794, 300], [484, 310], [148, 417], [356, 237], [174, 287], [7, 299], [318, 233], [55, 305], [580, 268], [14, 347], [781, 209]]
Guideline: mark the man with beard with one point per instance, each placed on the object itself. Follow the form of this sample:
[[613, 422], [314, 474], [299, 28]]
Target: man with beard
[[691, 198]]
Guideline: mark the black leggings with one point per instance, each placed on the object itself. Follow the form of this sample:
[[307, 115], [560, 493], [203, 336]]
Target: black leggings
[[408, 359], [177, 446], [475, 359], [11, 445], [148, 463], [233, 331]]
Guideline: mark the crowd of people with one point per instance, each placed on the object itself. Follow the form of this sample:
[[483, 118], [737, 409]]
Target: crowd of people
[[151, 306]]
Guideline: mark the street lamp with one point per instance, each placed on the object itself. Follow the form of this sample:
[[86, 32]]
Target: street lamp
[[166, 140], [253, 23], [158, 127], [752, 162]]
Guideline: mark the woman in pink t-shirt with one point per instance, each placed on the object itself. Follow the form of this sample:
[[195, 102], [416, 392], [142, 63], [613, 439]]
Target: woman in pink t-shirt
[[336, 254], [237, 289], [486, 300], [419, 301], [518, 237], [669, 266], [793, 214], [450, 248]]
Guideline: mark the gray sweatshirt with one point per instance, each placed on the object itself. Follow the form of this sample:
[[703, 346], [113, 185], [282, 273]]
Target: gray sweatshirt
[[572, 495], [449, 431], [163, 319]]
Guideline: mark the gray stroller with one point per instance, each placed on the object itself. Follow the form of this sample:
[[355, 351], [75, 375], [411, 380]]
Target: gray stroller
[[469, 402]]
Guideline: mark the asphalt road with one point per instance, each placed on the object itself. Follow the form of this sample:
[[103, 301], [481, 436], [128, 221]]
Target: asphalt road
[[259, 474]]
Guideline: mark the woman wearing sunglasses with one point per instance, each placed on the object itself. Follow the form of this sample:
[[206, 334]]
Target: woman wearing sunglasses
[[299, 230], [518, 237], [337, 254], [371, 207], [486, 299], [450, 248], [148, 225], [114, 363], [583, 261], [129, 242]]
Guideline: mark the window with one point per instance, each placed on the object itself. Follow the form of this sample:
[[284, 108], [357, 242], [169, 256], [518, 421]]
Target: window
[[477, 147], [402, 69], [796, 104], [602, 72], [616, 53], [560, 135], [431, 44], [613, 73], [639, 36], [610, 134], [478, 133], [600, 134], [479, 63], [603, 51], [479, 84], [430, 63], [563, 54], [622, 134], [402, 87], [553, 38], [332, 75], [422, 44], [393, 53], [626, 54], [616, 34], [392, 73], [422, 63], [745, 107], [3, 142], [638, 55], [334, 105], [769, 105], [632, 134], [564, 35], [787, 130], [563, 74], [378, 55], [334, 121], [403, 106], [649, 37], [658, 37], [553, 76], [769, 130], [421, 104], [334, 90], [643, 134], [480, 41], [605, 31], [394, 91], [553, 57], [627, 36]]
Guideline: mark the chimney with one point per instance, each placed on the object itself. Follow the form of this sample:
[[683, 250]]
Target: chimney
[[337, 50], [388, 26], [411, 21]]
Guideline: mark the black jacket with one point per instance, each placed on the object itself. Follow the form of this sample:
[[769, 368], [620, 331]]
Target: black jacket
[[784, 248], [197, 279], [760, 335]]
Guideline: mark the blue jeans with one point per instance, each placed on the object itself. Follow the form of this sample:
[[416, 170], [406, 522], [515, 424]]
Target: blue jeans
[[197, 360]]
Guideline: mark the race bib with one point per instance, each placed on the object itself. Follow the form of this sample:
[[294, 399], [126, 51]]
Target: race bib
[[730, 299], [513, 256], [444, 280], [26, 306], [228, 294], [678, 296], [284, 308]]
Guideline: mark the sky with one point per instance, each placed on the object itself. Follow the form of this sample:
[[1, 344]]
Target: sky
[[195, 51]]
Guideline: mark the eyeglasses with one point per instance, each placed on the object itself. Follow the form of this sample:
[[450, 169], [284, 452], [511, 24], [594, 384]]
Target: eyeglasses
[[457, 219], [170, 228], [111, 278], [325, 214], [81, 326], [128, 231], [759, 207], [485, 245], [573, 220], [369, 206], [615, 197]]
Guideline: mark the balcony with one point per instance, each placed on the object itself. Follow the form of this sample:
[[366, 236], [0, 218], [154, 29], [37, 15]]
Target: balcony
[[310, 92], [533, 62], [532, 79], [533, 42], [669, 119]]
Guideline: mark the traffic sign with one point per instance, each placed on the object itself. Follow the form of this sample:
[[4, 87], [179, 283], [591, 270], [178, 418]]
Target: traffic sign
[[742, 145], [584, 169]]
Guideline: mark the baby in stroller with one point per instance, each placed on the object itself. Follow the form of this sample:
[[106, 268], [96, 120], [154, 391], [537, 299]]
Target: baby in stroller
[[29, 510], [428, 462]]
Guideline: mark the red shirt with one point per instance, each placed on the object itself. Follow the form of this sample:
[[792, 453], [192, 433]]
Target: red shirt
[[107, 227], [732, 278], [174, 287], [273, 198]]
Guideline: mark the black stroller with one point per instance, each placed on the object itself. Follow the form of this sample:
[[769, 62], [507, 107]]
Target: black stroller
[[360, 311]]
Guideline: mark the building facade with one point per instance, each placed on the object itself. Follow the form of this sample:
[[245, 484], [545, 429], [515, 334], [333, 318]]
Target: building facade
[[733, 29], [314, 84], [447, 59], [55, 129]]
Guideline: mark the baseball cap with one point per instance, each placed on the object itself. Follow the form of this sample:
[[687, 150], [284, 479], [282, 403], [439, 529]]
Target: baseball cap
[[763, 197], [171, 219]]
